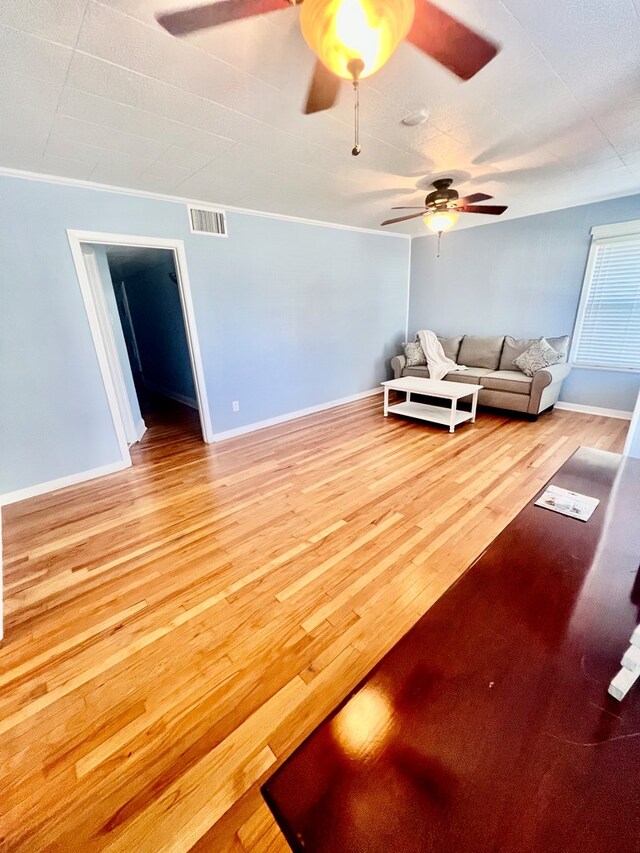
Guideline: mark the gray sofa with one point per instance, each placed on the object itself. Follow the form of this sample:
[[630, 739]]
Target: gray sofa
[[491, 364]]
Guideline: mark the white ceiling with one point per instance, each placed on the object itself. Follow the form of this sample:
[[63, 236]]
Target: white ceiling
[[98, 91]]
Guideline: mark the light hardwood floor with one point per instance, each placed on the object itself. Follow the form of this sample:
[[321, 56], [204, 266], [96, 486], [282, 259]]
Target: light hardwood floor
[[174, 630]]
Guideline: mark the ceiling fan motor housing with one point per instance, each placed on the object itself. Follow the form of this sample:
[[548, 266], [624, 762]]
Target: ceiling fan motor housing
[[442, 198]]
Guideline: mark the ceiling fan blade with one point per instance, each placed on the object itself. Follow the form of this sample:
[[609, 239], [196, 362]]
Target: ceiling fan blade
[[323, 90], [473, 198], [491, 209], [415, 207], [211, 15], [402, 218], [449, 41]]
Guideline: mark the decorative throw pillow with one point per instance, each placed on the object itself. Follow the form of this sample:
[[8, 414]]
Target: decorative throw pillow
[[538, 356], [414, 354], [513, 347]]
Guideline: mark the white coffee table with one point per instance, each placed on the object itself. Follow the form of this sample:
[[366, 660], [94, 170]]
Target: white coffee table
[[453, 391]]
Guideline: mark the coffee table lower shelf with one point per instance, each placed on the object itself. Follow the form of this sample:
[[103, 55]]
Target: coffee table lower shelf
[[433, 414]]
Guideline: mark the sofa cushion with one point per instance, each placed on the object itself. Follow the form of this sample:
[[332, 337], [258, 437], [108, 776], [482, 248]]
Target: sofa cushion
[[414, 354], [513, 347], [504, 400], [481, 352], [451, 347], [538, 356], [473, 376], [422, 372], [560, 345], [513, 381]]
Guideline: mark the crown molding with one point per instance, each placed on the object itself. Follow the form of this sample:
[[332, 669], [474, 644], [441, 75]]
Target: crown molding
[[245, 211]]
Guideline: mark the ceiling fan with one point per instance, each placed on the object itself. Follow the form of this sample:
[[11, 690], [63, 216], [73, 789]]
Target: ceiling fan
[[354, 38], [442, 206]]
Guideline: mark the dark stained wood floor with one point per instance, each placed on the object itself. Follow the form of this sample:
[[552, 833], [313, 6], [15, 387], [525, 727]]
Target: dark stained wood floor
[[175, 630]]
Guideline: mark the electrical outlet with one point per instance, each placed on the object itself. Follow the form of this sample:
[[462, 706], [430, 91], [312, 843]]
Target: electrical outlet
[[235, 406]]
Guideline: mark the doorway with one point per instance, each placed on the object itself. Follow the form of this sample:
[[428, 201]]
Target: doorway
[[138, 301]]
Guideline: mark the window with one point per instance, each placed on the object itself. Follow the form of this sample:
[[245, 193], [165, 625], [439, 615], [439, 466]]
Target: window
[[608, 325]]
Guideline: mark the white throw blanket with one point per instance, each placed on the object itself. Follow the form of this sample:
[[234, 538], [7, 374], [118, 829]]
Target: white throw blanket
[[437, 362]]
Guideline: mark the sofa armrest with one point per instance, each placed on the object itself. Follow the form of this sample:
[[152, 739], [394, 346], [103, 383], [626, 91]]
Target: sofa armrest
[[550, 376], [397, 365]]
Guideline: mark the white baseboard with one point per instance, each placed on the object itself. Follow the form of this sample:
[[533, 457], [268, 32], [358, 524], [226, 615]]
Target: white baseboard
[[290, 416], [180, 398], [141, 428], [595, 410], [62, 482]]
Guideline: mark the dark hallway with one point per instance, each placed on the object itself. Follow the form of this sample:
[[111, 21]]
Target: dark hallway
[[142, 291]]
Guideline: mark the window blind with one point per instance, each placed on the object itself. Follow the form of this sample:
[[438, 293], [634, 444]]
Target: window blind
[[609, 334]]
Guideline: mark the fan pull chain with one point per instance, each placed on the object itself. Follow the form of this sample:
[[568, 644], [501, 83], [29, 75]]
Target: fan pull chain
[[356, 148], [439, 236], [355, 68]]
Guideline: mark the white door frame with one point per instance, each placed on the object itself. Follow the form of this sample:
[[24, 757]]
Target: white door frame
[[108, 339], [96, 308]]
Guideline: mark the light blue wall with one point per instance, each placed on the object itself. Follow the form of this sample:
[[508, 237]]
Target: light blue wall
[[289, 315], [158, 323], [54, 416], [116, 326], [521, 277]]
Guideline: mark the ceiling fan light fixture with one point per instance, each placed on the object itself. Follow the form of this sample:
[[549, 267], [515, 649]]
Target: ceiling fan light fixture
[[341, 31], [441, 220]]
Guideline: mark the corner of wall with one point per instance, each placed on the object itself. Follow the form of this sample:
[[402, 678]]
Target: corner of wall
[[1, 584], [406, 325]]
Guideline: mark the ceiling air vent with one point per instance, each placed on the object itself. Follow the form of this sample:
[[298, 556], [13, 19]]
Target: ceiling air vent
[[203, 221]]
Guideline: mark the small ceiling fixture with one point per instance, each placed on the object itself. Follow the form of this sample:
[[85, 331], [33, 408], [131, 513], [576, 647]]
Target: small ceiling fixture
[[416, 118], [354, 38]]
